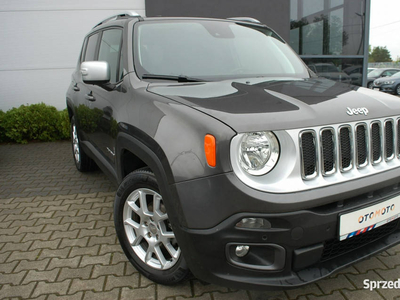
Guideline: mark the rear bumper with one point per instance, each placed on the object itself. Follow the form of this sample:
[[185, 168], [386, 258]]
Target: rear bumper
[[302, 244]]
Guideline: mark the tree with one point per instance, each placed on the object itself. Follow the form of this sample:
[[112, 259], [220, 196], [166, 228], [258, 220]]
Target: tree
[[380, 54]]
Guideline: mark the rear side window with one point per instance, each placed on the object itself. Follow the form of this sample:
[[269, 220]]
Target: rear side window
[[110, 47], [90, 54]]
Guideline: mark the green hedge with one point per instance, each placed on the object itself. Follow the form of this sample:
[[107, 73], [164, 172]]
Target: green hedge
[[34, 122]]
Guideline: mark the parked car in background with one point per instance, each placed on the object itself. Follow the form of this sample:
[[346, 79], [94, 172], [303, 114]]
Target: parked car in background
[[388, 84], [355, 73], [378, 73], [330, 71], [371, 69]]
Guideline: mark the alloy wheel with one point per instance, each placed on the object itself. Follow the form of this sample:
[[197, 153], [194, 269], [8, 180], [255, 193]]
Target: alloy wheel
[[149, 231], [75, 144]]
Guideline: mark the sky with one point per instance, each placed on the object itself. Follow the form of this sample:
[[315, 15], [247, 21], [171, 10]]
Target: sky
[[385, 25]]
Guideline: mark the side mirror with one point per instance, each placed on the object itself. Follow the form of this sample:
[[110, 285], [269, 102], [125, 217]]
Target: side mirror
[[95, 72]]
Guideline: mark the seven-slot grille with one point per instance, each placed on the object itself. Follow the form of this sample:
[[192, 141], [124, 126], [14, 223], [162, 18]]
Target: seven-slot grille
[[340, 149]]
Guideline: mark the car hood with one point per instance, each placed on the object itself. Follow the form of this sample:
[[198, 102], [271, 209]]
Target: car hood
[[286, 103]]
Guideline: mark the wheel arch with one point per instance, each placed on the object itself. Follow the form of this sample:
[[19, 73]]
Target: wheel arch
[[131, 147], [70, 108]]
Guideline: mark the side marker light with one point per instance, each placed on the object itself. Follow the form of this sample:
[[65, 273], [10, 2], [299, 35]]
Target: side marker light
[[210, 150]]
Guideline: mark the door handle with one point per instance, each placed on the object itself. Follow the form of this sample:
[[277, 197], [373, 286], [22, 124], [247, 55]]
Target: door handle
[[76, 88], [90, 97]]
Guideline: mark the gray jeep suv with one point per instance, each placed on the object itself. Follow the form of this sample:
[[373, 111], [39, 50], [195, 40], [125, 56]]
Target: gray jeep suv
[[233, 160]]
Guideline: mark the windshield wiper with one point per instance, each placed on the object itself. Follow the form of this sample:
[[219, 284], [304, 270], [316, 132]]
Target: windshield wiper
[[180, 78]]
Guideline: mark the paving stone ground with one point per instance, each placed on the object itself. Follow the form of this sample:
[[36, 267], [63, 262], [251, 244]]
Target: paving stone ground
[[57, 241]]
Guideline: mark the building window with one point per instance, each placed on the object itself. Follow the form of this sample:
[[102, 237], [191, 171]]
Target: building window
[[346, 70], [327, 27]]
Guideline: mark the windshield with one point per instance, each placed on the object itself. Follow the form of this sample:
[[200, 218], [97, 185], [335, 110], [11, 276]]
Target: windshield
[[211, 50], [396, 74], [375, 73]]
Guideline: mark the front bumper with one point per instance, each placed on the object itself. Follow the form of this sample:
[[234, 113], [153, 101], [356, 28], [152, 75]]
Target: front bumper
[[302, 244], [385, 88]]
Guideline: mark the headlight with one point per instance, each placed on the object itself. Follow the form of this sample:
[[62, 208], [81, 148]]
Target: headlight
[[388, 82], [259, 152]]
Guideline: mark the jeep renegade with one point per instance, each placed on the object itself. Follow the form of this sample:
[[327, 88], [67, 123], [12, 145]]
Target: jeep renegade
[[233, 159]]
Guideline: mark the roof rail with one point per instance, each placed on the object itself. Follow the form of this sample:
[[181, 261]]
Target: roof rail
[[245, 19], [121, 15]]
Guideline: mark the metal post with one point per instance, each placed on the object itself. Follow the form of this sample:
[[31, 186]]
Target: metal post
[[366, 40]]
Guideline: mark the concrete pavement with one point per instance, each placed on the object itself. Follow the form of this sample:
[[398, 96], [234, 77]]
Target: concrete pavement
[[57, 241]]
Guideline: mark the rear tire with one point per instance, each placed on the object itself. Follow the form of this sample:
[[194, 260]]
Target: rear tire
[[144, 230], [82, 161]]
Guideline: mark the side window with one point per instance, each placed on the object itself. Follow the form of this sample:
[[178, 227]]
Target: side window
[[121, 67], [110, 46], [90, 53], [83, 50]]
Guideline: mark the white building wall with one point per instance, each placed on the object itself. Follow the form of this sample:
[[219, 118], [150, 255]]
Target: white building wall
[[40, 41]]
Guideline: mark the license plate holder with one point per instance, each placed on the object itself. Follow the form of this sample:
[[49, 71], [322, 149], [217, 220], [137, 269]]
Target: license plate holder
[[365, 219]]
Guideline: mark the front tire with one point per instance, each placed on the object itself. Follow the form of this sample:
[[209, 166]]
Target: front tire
[[370, 84], [144, 231], [397, 90]]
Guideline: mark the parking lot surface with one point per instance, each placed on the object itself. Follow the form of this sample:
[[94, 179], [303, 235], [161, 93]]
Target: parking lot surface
[[57, 241]]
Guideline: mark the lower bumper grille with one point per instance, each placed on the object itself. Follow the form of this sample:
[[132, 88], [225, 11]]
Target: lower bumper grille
[[335, 248]]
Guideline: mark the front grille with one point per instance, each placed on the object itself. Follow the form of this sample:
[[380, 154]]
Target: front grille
[[334, 248], [376, 143], [345, 148], [398, 136], [328, 150], [342, 147], [389, 140], [362, 145], [308, 153]]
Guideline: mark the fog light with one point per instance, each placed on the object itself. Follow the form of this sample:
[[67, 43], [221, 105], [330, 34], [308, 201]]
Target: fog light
[[242, 250], [254, 223]]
